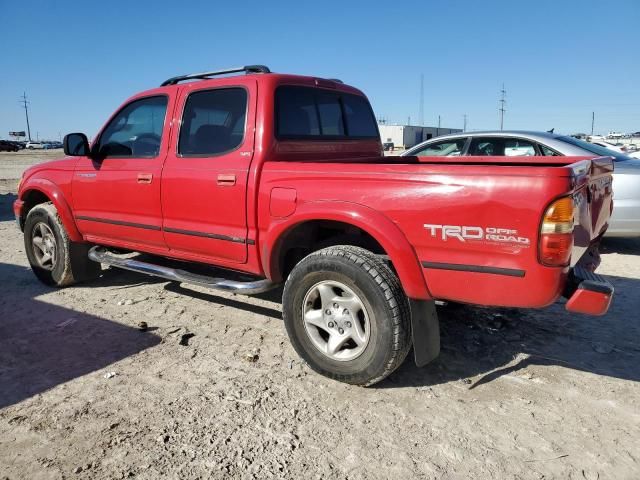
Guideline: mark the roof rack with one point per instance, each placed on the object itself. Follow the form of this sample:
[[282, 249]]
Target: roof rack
[[337, 80], [194, 76]]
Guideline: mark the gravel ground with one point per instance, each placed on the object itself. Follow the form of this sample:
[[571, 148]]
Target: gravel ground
[[213, 389]]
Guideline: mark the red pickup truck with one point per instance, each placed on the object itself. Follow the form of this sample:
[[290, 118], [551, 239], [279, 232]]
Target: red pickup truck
[[281, 179]]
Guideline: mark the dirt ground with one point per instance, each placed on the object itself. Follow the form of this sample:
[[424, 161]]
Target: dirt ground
[[214, 390]]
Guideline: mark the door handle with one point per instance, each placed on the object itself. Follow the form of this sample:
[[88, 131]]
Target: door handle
[[226, 179], [145, 177]]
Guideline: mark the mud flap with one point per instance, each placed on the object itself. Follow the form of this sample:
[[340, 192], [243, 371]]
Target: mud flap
[[82, 268], [425, 330]]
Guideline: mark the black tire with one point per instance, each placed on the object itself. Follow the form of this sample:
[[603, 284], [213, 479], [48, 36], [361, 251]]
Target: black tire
[[381, 295], [71, 262]]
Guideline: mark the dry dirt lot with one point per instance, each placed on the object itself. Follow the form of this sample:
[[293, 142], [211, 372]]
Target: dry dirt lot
[[213, 389]]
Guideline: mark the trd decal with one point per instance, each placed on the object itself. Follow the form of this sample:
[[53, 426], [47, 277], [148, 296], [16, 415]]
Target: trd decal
[[472, 233]]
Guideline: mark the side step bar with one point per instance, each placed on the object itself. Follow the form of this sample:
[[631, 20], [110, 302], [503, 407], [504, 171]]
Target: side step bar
[[100, 255]]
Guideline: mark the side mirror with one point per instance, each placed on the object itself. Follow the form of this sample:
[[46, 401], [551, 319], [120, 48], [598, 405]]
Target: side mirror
[[76, 145]]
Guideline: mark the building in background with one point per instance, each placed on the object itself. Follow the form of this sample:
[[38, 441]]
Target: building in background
[[406, 136]]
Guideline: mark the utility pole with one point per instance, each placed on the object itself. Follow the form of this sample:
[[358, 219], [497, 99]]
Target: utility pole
[[464, 128], [409, 121], [593, 120], [421, 115], [438, 130], [503, 103], [23, 101]]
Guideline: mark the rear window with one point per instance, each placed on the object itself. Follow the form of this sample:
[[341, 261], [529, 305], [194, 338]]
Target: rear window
[[590, 147], [313, 113]]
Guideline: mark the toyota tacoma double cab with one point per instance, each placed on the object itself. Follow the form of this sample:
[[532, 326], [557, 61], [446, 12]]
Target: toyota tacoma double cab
[[281, 179]]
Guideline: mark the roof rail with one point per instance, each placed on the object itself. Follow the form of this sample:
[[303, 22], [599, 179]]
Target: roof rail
[[194, 76], [337, 80]]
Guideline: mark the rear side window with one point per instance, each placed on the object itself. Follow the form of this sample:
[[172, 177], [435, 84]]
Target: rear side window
[[516, 147], [492, 147], [445, 148], [312, 113], [547, 152], [213, 122]]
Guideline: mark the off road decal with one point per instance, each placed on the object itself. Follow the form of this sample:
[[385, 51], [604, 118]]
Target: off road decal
[[465, 233]]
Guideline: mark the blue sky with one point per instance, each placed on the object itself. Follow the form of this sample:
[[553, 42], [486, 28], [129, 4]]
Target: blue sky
[[559, 60]]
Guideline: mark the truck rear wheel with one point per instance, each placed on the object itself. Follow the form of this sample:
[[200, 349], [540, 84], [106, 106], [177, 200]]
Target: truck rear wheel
[[346, 315], [54, 259]]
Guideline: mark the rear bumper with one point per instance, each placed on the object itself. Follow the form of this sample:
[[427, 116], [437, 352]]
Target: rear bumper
[[588, 292]]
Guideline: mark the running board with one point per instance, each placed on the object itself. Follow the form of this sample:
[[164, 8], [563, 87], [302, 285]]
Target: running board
[[100, 255]]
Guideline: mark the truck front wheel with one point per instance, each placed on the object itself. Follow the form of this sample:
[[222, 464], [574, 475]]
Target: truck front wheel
[[54, 259], [347, 315]]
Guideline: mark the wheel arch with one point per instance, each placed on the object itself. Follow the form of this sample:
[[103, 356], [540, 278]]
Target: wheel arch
[[375, 229], [38, 191]]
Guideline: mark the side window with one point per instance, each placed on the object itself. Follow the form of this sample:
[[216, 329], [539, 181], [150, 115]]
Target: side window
[[213, 122], [487, 147], [517, 147], [444, 148], [136, 131], [547, 152]]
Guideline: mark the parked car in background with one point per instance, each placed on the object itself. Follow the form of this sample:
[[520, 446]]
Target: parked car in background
[[34, 145], [625, 221], [8, 146]]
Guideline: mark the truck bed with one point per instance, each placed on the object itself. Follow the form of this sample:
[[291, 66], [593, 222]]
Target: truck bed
[[421, 195]]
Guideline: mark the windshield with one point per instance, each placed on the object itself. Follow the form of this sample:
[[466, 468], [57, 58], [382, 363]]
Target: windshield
[[590, 147]]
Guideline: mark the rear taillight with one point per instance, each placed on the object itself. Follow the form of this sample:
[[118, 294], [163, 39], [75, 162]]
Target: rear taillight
[[556, 233]]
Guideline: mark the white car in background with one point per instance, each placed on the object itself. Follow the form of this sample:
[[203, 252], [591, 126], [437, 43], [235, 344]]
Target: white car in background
[[34, 145]]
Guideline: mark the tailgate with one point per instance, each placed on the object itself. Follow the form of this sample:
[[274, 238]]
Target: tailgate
[[593, 202]]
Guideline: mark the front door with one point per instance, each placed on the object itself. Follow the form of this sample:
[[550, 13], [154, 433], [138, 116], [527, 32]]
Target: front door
[[116, 194], [204, 182]]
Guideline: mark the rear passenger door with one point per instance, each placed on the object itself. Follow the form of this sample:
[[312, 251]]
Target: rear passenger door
[[204, 181]]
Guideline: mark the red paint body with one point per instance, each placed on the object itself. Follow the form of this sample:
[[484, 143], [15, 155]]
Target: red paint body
[[255, 194]]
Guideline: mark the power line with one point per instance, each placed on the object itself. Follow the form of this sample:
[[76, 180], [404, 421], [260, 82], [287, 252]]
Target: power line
[[24, 102], [503, 104]]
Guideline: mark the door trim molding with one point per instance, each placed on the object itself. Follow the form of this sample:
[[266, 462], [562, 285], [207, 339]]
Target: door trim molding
[[118, 222], [214, 236]]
